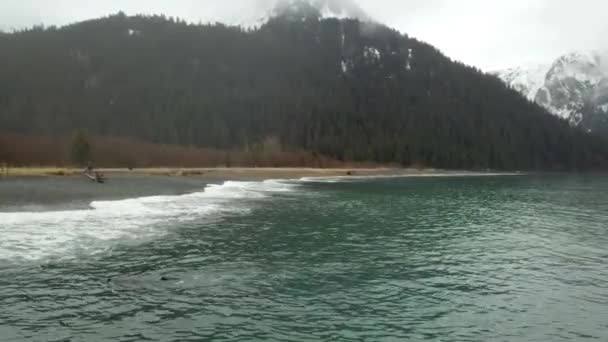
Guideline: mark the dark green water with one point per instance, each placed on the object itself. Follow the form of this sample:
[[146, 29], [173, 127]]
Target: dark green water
[[442, 259]]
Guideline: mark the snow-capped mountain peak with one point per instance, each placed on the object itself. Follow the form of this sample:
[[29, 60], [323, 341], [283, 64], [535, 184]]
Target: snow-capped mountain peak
[[574, 87], [581, 67]]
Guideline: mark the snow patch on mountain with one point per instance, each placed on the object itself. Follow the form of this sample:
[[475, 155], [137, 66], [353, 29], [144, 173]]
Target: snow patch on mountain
[[133, 32], [372, 53], [408, 62], [344, 66]]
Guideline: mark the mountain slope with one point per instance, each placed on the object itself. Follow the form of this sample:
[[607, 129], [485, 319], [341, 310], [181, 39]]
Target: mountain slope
[[573, 87], [348, 89]]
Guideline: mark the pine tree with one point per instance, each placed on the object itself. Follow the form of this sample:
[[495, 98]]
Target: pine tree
[[81, 149]]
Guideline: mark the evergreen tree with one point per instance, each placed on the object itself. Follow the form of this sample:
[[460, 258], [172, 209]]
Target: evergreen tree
[[81, 149]]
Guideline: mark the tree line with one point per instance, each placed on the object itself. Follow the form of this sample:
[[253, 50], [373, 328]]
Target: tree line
[[349, 90]]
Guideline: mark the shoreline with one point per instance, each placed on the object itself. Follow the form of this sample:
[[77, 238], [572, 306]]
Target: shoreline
[[57, 189], [253, 174]]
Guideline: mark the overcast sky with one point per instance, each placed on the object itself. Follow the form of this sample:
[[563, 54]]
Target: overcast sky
[[490, 34]]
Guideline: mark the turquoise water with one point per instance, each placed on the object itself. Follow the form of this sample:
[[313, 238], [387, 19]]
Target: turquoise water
[[519, 258]]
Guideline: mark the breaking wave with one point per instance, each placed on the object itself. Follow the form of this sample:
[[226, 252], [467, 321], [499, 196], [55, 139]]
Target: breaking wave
[[31, 236]]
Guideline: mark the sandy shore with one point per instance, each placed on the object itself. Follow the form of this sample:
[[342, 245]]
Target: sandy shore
[[241, 173], [44, 189]]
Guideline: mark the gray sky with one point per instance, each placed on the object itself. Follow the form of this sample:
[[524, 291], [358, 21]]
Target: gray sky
[[489, 34]]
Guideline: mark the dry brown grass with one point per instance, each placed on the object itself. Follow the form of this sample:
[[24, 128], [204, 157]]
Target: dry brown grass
[[116, 152]]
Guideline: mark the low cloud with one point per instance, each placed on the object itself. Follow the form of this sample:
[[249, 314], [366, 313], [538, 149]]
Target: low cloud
[[488, 34]]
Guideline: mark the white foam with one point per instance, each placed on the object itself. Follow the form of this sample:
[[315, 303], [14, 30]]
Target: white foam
[[42, 235], [340, 179]]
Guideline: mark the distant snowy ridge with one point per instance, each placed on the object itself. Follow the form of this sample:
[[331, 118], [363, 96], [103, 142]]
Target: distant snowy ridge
[[526, 79], [573, 87]]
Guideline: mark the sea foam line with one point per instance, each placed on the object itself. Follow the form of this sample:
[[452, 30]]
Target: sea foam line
[[338, 179], [40, 235]]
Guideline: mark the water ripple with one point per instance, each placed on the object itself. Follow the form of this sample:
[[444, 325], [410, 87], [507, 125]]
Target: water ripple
[[442, 260]]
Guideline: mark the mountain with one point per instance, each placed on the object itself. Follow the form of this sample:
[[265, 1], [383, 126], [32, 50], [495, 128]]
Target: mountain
[[344, 88], [573, 87]]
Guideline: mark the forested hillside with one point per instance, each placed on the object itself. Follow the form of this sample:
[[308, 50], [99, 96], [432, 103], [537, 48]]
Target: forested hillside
[[342, 88]]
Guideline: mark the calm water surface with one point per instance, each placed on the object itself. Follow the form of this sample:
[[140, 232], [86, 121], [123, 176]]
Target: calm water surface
[[441, 259]]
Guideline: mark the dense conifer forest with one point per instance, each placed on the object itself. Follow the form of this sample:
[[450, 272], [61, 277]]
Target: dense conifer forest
[[345, 89]]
